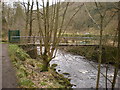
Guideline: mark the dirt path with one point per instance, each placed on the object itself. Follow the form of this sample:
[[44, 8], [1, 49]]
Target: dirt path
[[8, 73]]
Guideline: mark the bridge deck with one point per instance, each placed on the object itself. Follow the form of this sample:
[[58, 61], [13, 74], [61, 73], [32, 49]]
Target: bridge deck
[[61, 44]]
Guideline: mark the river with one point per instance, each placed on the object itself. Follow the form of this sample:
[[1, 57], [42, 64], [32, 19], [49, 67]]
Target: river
[[82, 72]]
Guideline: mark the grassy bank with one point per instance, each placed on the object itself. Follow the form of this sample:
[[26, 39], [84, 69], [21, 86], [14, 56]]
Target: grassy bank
[[28, 71], [91, 53]]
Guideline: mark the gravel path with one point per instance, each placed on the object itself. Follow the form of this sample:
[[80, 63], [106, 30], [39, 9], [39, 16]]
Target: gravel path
[[8, 73]]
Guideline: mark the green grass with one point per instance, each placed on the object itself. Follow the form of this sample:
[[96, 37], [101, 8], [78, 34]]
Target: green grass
[[28, 70], [26, 82], [2, 42], [43, 83], [15, 51], [18, 57]]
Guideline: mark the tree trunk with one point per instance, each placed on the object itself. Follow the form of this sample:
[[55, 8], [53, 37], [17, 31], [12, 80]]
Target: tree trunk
[[118, 52], [100, 54], [31, 20], [106, 75], [45, 65], [27, 18], [45, 62]]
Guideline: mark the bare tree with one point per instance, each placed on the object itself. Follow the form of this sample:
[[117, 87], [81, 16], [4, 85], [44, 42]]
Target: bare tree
[[117, 63], [28, 8], [50, 29], [101, 26], [27, 17], [31, 21], [51, 22], [100, 46], [4, 22]]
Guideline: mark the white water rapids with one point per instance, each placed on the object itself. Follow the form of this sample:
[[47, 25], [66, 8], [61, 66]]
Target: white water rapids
[[82, 72]]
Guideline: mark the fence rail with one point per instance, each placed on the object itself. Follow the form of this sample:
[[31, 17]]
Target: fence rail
[[69, 40]]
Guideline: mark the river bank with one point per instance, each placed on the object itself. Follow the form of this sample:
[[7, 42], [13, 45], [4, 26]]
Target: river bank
[[91, 53], [28, 71]]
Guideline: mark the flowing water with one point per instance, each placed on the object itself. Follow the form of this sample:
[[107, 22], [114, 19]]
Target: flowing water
[[82, 72]]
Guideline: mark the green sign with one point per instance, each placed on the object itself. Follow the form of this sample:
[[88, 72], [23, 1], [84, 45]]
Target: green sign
[[14, 35]]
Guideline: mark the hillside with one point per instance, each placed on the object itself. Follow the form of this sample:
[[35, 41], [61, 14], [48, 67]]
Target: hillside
[[83, 23], [80, 23]]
